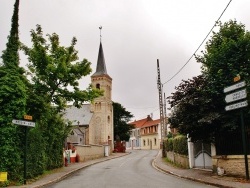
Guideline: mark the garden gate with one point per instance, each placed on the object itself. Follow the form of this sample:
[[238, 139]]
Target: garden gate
[[202, 155]]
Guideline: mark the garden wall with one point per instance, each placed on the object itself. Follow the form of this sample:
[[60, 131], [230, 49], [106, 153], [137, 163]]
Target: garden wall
[[178, 159], [232, 164]]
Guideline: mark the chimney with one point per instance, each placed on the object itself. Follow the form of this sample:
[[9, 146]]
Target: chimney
[[149, 118]]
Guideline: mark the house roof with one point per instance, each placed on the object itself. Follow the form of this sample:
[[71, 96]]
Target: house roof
[[141, 122], [81, 115], [151, 123], [101, 66], [78, 131]]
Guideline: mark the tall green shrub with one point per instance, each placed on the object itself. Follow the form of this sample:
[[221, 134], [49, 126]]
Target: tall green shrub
[[169, 144], [12, 104], [180, 145]]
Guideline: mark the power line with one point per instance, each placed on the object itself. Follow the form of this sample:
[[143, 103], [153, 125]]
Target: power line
[[199, 45]]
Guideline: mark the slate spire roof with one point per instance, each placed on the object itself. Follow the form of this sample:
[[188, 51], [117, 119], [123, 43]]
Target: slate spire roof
[[101, 66]]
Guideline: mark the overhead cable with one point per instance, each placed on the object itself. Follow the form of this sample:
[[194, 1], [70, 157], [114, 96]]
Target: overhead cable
[[199, 45]]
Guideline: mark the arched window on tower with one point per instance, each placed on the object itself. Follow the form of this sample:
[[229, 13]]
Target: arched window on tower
[[98, 86]]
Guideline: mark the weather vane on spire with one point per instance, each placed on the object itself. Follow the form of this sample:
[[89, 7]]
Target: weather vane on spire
[[100, 33]]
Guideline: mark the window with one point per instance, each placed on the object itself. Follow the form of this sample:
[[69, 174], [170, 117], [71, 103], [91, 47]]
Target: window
[[155, 141], [97, 86], [108, 119], [144, 142]]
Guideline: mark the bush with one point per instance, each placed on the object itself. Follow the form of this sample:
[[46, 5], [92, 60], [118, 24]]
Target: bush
[[180, 145], [168, 144]]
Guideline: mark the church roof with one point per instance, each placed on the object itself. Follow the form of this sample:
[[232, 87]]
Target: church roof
[[101, 66], [81, 115]]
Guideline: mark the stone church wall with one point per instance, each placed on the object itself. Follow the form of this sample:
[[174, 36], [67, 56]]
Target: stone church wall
[[89, 152]]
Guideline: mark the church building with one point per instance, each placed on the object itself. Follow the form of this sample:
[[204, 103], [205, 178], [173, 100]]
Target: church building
[[93, 123]]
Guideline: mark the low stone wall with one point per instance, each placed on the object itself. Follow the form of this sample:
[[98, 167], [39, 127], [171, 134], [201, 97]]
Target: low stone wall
[[89, 152], [178, 159], [232, 164]]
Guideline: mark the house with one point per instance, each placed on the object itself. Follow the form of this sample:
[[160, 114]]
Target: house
[[134, 140], [145, 135], [80, 119], [151, 135]]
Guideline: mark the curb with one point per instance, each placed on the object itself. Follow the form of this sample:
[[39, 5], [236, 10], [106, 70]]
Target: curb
[[157, 167]]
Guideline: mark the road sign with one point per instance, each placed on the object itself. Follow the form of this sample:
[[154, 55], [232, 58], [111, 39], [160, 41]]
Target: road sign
[[235, 86], [27, 117], [24, 123], [236, 105], [242, 94], [237, 78]]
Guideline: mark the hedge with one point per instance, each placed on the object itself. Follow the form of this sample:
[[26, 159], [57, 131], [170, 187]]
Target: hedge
[[177, 145]]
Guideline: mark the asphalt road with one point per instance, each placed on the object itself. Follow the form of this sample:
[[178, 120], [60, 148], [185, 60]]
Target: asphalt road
[[131, 171]]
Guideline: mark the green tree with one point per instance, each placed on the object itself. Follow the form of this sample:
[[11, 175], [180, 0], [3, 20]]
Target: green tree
[[12, 103], [121, 118], [55, 70], [227, 55], [198, 104], [191, 109]]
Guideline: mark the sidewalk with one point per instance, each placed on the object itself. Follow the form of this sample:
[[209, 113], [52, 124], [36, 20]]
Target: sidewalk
[[64, 172], [202, 176]]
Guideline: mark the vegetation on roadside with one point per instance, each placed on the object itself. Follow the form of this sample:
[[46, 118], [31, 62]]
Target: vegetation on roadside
[[178, 144], [198, 105], [122, 118], [41, 91]]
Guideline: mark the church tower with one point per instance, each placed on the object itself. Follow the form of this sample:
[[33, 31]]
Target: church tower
[[101, 128]]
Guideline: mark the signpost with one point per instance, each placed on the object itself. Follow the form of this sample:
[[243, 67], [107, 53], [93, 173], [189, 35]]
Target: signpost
[[236, 105], [235, 86], [236, 96], [27, 117], [242, 94], [25, 124]]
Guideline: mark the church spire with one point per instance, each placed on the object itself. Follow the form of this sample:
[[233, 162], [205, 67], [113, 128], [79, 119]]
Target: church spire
[[101, 66]]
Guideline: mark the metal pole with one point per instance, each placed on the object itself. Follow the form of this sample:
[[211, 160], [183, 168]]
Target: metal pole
[[244, 144], [25, 156]]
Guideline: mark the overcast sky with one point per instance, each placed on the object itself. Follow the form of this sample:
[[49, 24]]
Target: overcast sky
[[135, 34]]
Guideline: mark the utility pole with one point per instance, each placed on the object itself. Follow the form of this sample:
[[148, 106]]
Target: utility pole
[[165, 116], [161, 107]]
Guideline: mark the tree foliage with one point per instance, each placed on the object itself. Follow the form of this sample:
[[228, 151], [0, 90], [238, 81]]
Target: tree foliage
[[198, 104], [121, 119], [12, 103], [54, 73], [55, 70]]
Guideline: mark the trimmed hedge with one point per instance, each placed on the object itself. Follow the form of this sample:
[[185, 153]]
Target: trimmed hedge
[[177, 145], [169, 144]]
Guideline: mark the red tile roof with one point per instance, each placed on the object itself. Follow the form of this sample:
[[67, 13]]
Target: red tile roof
[[151, 123], [146, 122]]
